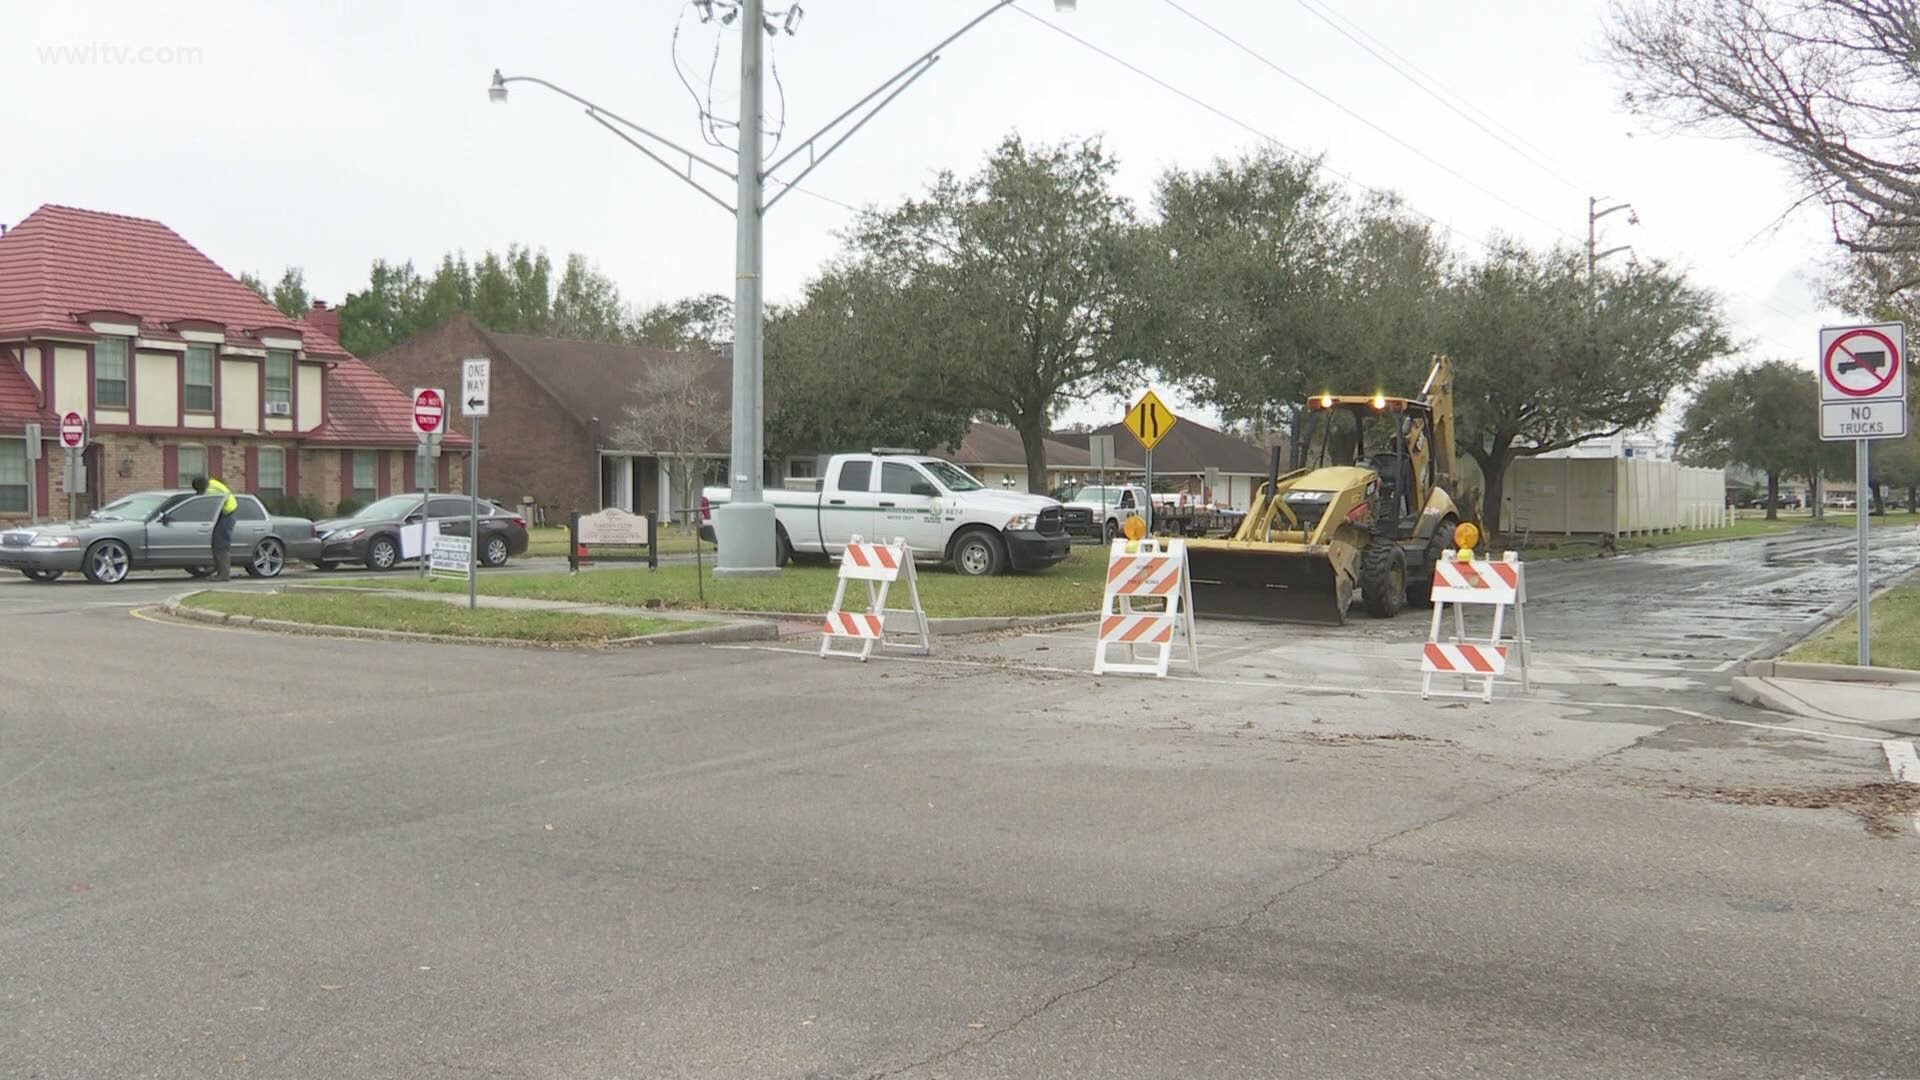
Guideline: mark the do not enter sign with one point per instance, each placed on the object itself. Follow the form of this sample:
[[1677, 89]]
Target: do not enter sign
[[73, 431], [429, 410]]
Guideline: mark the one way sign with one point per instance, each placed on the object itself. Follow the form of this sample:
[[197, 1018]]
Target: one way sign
[[476, 384]]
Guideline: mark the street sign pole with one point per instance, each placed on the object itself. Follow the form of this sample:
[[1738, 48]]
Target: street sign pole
[[34, 465], [473, 524], [1860, 516], [1148, 509], [1863, 397]]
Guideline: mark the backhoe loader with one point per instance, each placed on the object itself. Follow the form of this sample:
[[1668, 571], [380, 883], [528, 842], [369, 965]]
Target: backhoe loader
[[1365, 509]]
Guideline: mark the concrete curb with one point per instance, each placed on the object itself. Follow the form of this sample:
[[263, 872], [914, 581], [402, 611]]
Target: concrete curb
[[946, 627], [732, 632], [1791, 669], [1757, 691]]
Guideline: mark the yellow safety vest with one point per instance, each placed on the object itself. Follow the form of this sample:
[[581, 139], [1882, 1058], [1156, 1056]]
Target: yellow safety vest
[[216, 487]]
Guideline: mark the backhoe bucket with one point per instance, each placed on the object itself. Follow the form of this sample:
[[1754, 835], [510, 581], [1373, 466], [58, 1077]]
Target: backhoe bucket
[[1266, 582]]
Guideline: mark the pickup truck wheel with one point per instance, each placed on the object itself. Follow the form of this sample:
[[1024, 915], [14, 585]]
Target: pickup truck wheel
[[1111, 531], [979, 553], [782, 547]]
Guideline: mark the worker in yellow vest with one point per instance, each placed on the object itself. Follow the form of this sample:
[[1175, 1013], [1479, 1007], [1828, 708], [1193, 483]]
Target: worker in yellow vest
[[222, 526]]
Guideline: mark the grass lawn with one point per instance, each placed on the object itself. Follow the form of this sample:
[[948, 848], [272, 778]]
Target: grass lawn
[[553, 541], [1073, 585], [1896, 634], [366, 612]]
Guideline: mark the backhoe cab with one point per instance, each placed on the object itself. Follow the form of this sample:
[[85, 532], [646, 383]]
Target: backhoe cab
[[1366, 509]]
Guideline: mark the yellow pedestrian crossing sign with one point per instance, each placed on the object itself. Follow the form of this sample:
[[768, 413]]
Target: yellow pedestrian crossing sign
[[1150, 420]]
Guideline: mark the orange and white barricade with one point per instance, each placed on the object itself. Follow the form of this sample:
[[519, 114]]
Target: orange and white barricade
[[879, 566], [1154, 575], [1501, 585]]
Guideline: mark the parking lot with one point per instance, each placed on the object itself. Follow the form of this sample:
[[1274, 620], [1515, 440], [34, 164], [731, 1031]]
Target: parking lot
[[241, 854]]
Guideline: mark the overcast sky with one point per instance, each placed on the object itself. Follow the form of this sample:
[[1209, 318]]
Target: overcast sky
[[324, 135]]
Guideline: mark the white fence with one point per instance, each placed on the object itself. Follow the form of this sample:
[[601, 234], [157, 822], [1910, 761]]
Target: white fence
[[1619, 496]]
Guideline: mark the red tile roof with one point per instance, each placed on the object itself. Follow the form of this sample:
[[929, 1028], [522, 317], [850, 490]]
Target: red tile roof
[[19, 401], [363, 408], [62, 262]]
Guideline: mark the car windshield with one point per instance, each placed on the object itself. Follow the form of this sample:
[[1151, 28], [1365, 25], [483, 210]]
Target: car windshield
[[391, 508], [135, 507], [951, 476]]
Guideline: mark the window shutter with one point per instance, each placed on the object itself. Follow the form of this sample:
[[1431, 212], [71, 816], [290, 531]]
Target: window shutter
[[346, 475], [253, 469], [441, 464], [216, 463], [382, 474], [170, 466], [292, 457]]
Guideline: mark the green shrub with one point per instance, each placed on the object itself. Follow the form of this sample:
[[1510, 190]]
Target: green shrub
[[298, 506], [348, 507]]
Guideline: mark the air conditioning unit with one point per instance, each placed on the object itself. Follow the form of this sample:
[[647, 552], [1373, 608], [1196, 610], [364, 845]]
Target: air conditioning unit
[[279, 408]]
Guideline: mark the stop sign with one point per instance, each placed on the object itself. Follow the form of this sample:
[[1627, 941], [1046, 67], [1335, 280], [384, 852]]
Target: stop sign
[[429, 410], [73, 431]]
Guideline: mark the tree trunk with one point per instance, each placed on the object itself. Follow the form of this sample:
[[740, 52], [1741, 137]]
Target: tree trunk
[[1034, 443], [1773, 496], [1879, 504], [1912, 494], [1817, 494], [1494, 472]]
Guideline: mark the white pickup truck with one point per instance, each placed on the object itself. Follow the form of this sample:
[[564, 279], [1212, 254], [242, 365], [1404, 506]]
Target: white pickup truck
[[940, 510]]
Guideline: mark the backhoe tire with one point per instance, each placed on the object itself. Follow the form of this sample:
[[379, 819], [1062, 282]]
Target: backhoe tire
[[1420, 586], [1383, 577]]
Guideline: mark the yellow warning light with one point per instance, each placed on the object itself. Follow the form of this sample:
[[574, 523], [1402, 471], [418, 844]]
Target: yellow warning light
[[1379, 401], [1465, 536], [1135, 528], [1326, 401]]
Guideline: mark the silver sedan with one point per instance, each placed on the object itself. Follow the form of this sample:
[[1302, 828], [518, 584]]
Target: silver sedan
[[153, 530]]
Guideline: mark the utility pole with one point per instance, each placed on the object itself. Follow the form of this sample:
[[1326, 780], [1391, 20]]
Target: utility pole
[[745, 524], [1594, 214]]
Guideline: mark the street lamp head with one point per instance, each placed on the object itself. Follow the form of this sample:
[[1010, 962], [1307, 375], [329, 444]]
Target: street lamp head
[[497, 92]]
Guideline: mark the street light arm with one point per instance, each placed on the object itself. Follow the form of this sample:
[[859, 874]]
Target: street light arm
[[911, 72], [601, 115], [814, 161]]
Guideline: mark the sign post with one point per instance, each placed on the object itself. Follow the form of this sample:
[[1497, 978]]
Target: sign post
[[73, 436], [1863, 397], [476, 400], [1100, 457], [1150, 420], [429, 420], [32, 435]]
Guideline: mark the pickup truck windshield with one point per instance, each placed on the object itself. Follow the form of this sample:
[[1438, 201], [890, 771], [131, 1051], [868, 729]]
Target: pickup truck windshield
[[952, 476]]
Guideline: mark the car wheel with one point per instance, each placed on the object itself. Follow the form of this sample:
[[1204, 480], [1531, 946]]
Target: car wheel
[[108, 563], [979, 553], [268, 559], [494, 552], [382, 553], [43, 576]]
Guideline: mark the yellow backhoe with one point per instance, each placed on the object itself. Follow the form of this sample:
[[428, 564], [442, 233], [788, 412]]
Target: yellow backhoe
[[1365, 509]]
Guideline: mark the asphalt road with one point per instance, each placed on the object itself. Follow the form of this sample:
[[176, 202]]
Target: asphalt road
[[228, 854]]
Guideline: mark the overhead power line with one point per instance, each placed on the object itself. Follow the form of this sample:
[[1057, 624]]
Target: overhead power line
[[1383, 132], [1407, 72]]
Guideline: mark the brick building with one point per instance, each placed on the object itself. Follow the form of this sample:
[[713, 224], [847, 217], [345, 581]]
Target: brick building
[[557, 404], [180, 370]]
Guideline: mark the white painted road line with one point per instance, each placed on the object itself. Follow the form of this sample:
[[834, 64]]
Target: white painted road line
[[1903, 760]]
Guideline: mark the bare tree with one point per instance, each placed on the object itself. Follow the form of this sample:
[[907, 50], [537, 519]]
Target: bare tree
[[678, 415], [1832, 87]]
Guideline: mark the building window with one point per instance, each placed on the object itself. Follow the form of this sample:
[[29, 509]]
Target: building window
[[190, 461], [279, 377], [199, 378], [14, 476], [272, 481], [110, 373], [365, 465]]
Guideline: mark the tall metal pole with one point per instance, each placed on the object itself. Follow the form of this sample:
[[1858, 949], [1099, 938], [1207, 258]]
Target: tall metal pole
[[1860, 516], [473, 523], [744, 525]]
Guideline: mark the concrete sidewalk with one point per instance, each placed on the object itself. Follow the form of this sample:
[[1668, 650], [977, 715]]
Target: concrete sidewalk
[[1885, 699]]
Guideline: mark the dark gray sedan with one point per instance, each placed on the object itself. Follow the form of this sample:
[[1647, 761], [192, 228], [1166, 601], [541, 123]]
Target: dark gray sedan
[[153, 530]]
